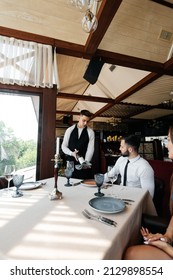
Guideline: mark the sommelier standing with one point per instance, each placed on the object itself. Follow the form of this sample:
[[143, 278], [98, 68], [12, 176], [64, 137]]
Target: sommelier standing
[[78, 142]]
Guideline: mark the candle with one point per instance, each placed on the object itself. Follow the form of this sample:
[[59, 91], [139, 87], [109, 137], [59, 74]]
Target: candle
[[57, 145]]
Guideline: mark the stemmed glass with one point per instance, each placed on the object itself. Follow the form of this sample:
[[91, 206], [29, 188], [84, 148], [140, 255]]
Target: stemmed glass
[[99, 178], [8, 174], [17, 181], [68, 172], [112, 177], [70, 165]]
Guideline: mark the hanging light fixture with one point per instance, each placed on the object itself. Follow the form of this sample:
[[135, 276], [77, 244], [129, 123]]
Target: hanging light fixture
[[89, 22], [84, 5]]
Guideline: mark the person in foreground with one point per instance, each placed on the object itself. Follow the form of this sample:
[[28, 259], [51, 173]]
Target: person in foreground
[[157, 246], [139, 172], [79, 140]]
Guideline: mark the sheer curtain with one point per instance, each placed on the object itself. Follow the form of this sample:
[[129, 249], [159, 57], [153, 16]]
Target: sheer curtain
[[27, 63]]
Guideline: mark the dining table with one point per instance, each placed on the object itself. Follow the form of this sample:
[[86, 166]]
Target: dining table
[[36, 227]]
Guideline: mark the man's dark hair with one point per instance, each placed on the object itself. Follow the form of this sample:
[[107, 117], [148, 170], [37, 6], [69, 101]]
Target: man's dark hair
[[133, 141], [86, 113]]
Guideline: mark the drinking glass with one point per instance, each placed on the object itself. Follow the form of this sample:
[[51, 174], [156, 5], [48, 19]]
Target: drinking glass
[[70, 165], [112, 178], [68, 173], [99, 178], [8, 174], [17, 181]]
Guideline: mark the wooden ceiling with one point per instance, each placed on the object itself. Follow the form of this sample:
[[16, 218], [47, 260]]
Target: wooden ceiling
[[136, 36]]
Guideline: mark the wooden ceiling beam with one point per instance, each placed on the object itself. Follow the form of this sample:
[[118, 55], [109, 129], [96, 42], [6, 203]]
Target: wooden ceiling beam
[[139, 85], [77, 50], [84, 97], [142, 83], [9, 32], [129, 61], [164, 3], [70, 49], [105, 15], [168, 66], [61, 112]]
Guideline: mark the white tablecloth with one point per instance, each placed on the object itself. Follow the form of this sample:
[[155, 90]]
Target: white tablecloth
[[35, 227]]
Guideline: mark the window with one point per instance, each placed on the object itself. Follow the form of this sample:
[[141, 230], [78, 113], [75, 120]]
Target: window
[[33, 65], [19, 132]]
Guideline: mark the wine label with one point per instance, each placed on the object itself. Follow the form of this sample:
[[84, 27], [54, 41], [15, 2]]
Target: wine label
[[81, 160]]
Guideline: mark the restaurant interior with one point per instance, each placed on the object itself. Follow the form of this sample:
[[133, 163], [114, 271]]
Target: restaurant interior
[[117, 63]]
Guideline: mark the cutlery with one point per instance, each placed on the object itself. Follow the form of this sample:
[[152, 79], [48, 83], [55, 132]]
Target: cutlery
[[77, 183], [125, 199], [101, 219], [43, 183], [128, 200], [106, 186]]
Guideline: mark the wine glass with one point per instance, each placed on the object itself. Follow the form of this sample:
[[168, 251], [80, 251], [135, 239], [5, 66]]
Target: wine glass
[[99, 178], [8, 174], [17, 181], [112, 177], [68, 173], [70, 165]]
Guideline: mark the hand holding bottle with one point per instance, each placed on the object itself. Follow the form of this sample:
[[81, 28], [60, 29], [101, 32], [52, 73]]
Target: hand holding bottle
[[79, 158], [83, 164], [75, 154]]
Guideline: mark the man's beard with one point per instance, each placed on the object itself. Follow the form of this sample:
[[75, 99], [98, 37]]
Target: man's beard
[[125, 154]]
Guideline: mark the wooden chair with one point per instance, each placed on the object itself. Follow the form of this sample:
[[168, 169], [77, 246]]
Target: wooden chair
[[4, 183], [158, 195], [157, 223]]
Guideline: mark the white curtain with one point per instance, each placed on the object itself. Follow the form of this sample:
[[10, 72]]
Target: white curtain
[[27, 63]]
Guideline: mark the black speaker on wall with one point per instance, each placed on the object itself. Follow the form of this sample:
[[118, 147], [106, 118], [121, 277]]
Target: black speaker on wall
[[93, 70], [67, 119]]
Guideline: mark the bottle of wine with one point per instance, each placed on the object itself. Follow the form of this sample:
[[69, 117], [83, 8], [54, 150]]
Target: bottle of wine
[[80, 159]]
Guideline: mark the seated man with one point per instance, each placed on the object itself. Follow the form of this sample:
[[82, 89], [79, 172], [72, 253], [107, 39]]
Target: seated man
[[135, 171]]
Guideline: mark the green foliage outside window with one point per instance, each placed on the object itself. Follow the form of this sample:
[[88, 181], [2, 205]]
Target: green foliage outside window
[[15, 151]]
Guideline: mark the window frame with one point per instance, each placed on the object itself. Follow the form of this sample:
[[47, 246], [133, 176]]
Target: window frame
[[46, 145]]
